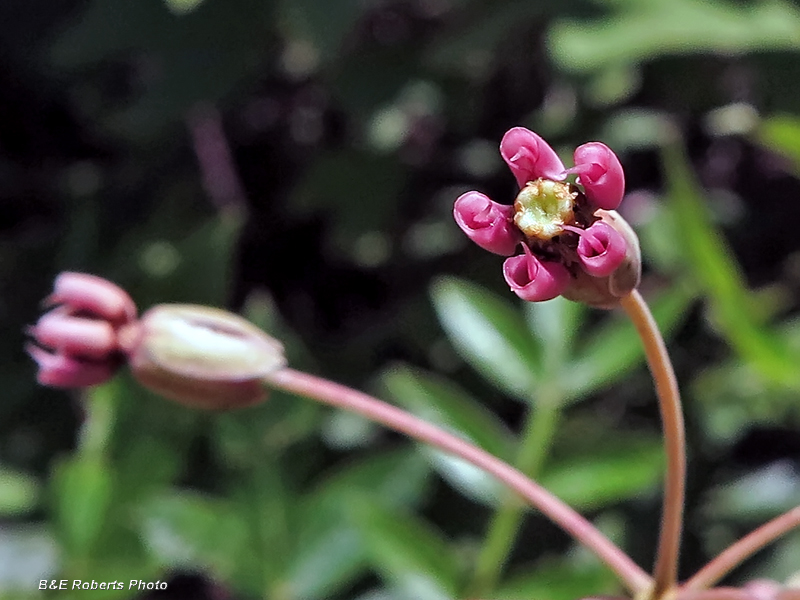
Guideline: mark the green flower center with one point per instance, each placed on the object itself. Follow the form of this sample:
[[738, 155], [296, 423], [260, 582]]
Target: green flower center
[[543, 207]]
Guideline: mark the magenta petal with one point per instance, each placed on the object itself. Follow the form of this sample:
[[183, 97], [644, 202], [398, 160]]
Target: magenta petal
[[601, 249], [82, 292], [534, 280], [75, 335], [60, 370], [601, 174], [487, 223], [529, 156]]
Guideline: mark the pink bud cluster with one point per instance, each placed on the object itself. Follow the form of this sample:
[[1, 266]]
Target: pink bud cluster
[[566, 231], [77, 342]]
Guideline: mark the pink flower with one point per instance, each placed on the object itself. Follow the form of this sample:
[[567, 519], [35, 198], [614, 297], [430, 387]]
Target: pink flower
[[572, 241], [487, 223], [76, 343], [600, 173], [601, 249], [534, 280], [529, 156]]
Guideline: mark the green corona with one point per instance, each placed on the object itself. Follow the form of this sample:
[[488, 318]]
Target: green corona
[[543, 207]]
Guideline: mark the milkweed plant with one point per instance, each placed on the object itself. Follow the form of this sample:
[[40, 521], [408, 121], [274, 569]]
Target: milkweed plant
[[561, 237]]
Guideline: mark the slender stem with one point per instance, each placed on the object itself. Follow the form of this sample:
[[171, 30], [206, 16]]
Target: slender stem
[[537, 437], [665, 574], [339, 396], [725, 593], [736, 554]]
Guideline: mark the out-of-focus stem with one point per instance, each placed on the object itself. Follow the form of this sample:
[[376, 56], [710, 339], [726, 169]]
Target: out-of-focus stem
[[339, 396], [665, 574], [715, 594], [536, 440], [736, 554]]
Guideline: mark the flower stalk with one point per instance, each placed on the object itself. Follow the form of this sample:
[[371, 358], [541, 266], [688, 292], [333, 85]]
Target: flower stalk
[[665, 574], [333, 394], [737, 553]]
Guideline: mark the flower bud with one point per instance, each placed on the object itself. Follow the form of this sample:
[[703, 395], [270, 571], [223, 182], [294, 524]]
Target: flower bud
[[202, 357], [99, 297], [600, 173], [605, 292], [601, 249], [534, 280], [487, 223], [529, 156]]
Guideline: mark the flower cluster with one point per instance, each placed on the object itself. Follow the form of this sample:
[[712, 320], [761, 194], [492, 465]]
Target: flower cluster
[[573, 242], [200, 356], [78, 341]]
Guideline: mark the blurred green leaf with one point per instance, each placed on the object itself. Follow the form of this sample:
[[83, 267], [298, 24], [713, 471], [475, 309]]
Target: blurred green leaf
[[329, 550], [19, 492], [757, 495], [781, 133], [488, 332], [628, 468], [82, 486], [326, 562], [397, 478], [183, 529], [555, 324], [407, 551], [558, 579], [441, 402], [638, 31], [613, 349], [736, 312]]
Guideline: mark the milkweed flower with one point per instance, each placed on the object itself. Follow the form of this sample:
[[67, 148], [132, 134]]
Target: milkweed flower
[[573, 242], [199, 356]]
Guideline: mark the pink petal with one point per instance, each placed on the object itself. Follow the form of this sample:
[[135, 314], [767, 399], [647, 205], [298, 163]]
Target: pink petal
[[534, 280], [95, 295], [61, 370], [600, 174], [487, 223], [71, 335], [529, 156], [601, 249]]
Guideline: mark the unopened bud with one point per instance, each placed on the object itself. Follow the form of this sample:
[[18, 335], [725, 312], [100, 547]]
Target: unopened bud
[[202, 357], [605, 292]]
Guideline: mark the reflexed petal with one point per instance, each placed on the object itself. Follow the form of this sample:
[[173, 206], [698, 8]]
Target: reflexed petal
[[600, 173], [534, 280], [529, 156], [487, 223], [78, 336], [601, 249], [60, 370], [95, 295]]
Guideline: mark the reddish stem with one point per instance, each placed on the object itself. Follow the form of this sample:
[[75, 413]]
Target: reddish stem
[[736, 554], [630, 574]]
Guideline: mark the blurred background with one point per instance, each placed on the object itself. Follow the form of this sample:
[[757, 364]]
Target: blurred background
[[297, 161]]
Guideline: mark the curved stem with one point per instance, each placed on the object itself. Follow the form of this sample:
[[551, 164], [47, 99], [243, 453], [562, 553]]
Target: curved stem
[[339, 396], [715, 594], [665, 574], [536, 439], [736, 554]]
